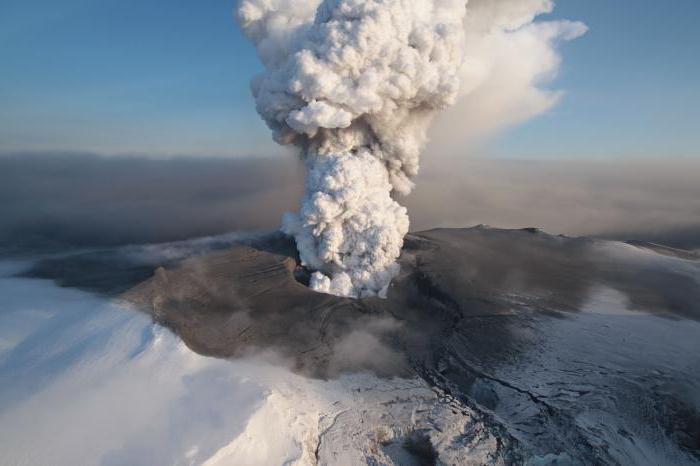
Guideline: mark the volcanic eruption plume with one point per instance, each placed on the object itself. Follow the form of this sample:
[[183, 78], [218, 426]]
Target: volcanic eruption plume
[[354, 85]]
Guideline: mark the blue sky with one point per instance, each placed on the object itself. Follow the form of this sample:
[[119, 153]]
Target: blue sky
[[171, 77], [631, 83]]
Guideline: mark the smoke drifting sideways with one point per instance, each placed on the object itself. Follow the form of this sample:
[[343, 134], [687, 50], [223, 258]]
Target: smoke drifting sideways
[[54, 202], [355, 85], [511, 58]]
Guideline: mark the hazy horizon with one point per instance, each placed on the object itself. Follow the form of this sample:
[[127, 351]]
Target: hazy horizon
[[88, 199]]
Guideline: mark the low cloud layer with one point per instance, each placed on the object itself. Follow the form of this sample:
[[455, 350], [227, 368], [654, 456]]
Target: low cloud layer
[[90, 200], [654, 200], [85, 199]]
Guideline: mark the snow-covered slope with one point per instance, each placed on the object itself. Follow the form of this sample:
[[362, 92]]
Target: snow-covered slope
[[85, 380], [494, 347]]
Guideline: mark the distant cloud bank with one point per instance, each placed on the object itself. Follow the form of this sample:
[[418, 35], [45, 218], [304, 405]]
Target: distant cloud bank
[[84, 199]]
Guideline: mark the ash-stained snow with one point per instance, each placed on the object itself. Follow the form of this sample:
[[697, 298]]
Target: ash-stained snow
[[493, 347]]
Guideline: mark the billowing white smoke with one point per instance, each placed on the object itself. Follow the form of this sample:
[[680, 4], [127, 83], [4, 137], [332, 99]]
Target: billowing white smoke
[[355, 85]]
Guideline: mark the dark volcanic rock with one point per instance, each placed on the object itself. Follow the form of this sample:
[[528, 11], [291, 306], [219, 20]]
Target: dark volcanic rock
[[470, 287], [102, 271], [528, 329], [243, 300]]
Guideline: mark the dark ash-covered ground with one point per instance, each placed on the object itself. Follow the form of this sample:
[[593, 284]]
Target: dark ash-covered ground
[[571, 349]]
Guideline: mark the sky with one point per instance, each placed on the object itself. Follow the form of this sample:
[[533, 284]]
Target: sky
[[169, 78]]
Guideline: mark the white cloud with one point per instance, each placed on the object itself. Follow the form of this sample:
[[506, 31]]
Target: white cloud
[[510, 61]]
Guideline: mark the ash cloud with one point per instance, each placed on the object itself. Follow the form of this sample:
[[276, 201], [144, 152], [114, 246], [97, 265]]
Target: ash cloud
[[645, 199], [355, 85], [78, 199], [511, 58], [88, 200]]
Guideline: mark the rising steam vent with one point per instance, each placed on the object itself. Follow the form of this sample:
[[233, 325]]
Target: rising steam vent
[[354, 84]]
